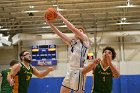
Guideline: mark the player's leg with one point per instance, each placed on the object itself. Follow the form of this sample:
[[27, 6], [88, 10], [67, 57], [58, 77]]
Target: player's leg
[[82, 79], [79, 91], [64, 90], [96, 91]]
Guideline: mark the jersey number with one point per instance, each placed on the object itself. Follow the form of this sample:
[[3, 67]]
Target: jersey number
[[28, 78], [104, 78]]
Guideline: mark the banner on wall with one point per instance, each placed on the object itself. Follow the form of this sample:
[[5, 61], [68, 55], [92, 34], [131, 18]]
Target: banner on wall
[[44, 55], [90, 56]]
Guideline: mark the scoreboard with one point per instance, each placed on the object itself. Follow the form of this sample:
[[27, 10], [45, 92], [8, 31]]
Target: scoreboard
[[44, 55]]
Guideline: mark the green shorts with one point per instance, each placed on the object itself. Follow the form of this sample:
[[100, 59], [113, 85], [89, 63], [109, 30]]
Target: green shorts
[[94, 91]]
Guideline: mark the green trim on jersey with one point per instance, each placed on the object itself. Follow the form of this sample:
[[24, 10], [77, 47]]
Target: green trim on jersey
[[22, 79], [5, 86], [102, 80]]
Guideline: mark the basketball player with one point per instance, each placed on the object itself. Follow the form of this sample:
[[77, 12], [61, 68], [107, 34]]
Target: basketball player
[[21, 73], [78, 45], [104, 71], [5, 86]]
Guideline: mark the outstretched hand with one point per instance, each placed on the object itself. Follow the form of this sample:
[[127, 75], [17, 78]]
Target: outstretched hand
[[47, 21], [97, 61], [108, 58]]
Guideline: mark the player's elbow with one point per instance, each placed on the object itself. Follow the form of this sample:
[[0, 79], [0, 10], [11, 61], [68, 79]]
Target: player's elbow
[[85, 71], [41, 75]]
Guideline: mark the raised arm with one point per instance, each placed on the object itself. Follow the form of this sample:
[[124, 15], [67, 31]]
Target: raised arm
[[66, 39], [116, 73], [43, 73], [71, 27], [91, 66], [13, 72]]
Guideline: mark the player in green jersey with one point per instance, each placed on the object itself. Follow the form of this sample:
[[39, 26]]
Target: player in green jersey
[[21, 73], [5, 86], [104, 71]]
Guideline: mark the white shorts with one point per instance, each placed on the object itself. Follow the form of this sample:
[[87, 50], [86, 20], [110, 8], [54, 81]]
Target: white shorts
[[74, 80]]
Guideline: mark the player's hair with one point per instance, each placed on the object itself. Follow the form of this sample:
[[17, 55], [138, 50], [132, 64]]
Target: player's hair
[[21, 54], [112, 50], [13, 62], [82, 29]]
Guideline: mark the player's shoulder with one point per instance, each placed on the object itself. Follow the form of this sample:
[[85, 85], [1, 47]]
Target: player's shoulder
[[18, 65]]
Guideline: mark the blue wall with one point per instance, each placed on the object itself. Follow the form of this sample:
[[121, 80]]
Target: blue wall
[[125, 84]]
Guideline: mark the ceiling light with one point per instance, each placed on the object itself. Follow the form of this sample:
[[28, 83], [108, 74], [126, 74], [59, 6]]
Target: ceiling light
[[4, 29], [57, 26], [129, 23], [123, 23], [123, 19], [45, 23], [45, 27], [55, 5], [59, 9], [1, 35], [62, 26], [31, 6], [127, 6]]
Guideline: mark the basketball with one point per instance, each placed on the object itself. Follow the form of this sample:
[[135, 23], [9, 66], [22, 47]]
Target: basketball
[[51, 14]]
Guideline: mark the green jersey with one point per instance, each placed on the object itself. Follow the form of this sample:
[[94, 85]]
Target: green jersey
[[102, 80], [5, 86], [22, 79]]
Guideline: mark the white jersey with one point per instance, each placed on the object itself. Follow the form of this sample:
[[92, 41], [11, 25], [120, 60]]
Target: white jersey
[[78, 54]]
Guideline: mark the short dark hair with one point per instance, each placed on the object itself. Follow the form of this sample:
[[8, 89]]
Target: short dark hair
[[112, 50], [13, 62], [84, 31], [21, 54]]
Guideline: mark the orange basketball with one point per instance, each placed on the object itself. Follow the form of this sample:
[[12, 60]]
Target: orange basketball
[[51, 14]]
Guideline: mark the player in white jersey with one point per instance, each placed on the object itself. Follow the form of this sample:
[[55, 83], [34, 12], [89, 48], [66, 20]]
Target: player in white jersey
[[78, 45]]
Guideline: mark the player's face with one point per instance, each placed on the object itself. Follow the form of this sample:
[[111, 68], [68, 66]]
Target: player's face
[[107, 53], [27, 57], [81, 30]]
